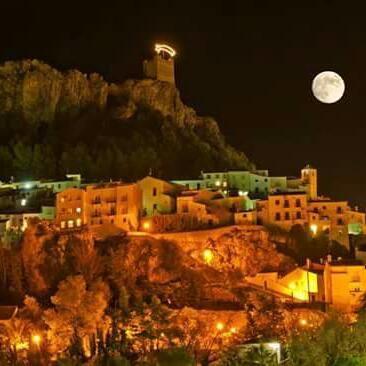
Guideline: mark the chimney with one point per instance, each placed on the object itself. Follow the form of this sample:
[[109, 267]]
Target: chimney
[[308, 263]]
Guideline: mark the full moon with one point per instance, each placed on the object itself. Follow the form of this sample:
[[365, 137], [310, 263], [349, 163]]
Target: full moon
[[328, 87]]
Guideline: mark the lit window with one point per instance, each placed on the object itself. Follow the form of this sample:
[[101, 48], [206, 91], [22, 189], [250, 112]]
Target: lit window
[[70, 224], [78, 209], [63, 224], [62, 199], [78, 222], [23, 202], [217, 183]]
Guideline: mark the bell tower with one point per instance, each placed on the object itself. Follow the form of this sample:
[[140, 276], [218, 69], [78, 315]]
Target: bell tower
[[309, 176], [161, 67]]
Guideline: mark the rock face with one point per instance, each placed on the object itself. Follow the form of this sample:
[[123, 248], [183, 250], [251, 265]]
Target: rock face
[[245, 249], [160, 96], [39, 93], [172, 269], [135, 126]]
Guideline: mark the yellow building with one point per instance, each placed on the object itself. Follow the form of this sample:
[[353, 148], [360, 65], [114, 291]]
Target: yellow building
[[283, 209], [158, 196], [300, 285], [332, 217], [111, 203], [345, 284]]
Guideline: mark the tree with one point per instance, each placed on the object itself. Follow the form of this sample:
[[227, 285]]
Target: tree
[[78, 314]]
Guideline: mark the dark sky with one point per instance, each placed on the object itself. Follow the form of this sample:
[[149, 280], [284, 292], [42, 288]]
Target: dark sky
[[248, 64]]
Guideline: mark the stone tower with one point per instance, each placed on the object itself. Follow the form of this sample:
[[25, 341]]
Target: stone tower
[[309, 176], [161, 67]]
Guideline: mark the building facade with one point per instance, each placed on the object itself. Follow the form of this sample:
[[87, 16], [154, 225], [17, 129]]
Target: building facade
[[111, 203]]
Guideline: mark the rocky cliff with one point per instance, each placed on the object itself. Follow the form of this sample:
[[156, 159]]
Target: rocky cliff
[[135, 126], [173, 269]]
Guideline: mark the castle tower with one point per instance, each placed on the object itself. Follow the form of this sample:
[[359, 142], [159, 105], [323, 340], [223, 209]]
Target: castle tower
[[161, 67], [309, 176]]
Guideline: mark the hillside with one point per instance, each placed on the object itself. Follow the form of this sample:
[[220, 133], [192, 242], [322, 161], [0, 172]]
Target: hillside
[[54, 122]]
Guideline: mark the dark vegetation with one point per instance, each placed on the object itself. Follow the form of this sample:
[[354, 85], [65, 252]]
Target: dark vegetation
[[53, 123]]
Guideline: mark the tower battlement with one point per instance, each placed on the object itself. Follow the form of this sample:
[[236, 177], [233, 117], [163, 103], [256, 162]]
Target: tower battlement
[[161, 67]]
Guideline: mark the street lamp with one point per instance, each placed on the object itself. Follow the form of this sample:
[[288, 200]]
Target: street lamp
[[36, 339]]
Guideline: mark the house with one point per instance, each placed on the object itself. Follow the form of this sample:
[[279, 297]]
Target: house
[[94, 205], [158, 196]]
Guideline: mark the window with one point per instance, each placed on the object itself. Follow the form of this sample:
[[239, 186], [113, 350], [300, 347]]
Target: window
[[298, 202], [287, 216], [316, 209], [286, 204], [278, 216], [155, 191], [62, 199], [124, 198], [124, 210], [339, 210], [256, 190], [112, 221], [198, 185], [69, 210], [298, 215], [217, 176], [208, 176], [124, 220], [59, 186], [155, 206], [78, 222], [277, 202], [63, 224], [185, 208], [78, 209], [70, 224], [339, 222]]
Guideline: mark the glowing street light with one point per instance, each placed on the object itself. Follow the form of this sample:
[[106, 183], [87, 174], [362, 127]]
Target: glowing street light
[[208, 256], [303, 322], [146, 225], [314, 229], [36, 339], [220, 326]]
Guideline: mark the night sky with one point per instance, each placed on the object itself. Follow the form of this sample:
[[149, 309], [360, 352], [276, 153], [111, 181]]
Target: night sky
[[247, 64]]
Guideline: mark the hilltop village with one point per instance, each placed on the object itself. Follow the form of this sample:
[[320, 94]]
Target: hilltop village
[[214, 203]]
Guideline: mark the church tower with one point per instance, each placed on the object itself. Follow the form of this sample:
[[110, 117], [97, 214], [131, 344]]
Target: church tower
[[309, 176], [161, 67]]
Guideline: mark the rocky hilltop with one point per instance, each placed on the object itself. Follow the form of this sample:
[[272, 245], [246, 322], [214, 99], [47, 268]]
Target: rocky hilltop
[[171, 268], [135, 126]]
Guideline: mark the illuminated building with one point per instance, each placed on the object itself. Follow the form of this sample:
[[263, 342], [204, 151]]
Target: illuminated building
[[161, 67], [110, 203], [158, 196]]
